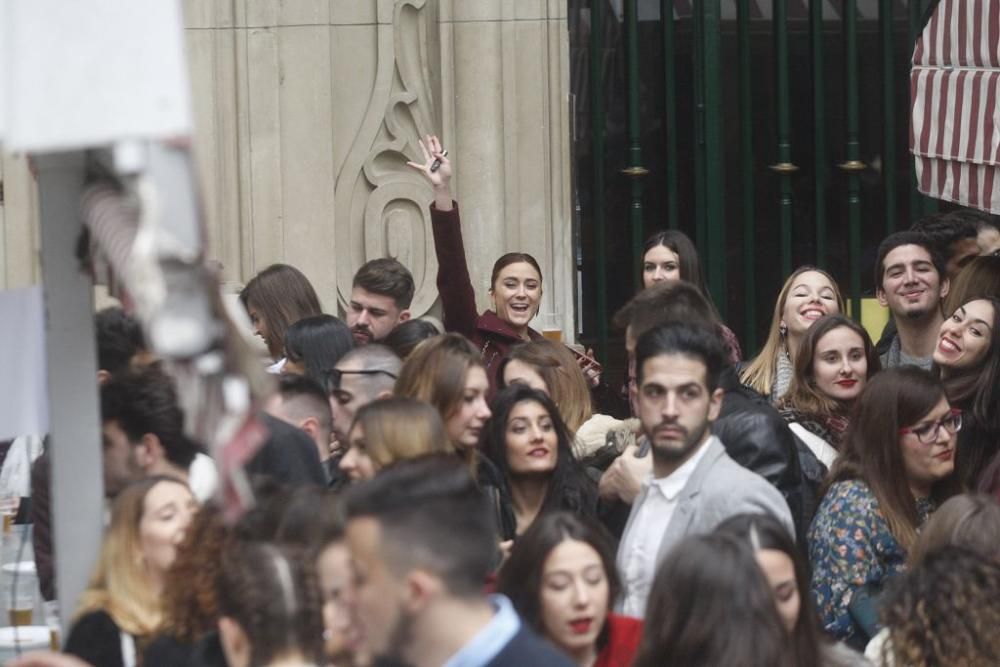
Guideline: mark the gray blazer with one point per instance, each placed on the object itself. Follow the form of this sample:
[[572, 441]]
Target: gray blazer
[[718, 489]]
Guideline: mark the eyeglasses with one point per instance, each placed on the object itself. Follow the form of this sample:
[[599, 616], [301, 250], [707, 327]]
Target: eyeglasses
[[927, 433], [334, 376]]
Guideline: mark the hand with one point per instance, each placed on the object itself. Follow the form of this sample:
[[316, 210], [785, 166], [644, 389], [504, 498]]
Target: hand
[[591, 369], [47, 659], [623, 478], [441, 178]]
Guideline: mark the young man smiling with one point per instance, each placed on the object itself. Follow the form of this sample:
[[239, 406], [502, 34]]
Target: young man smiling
[[910, 280], [694, 484]]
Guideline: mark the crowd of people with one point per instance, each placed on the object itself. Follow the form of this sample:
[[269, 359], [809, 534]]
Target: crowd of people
[[483, 495]]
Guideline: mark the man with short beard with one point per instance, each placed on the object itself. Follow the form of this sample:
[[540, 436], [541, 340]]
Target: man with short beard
[[381, 294], [422, 544], [910, 280], [694, 485]]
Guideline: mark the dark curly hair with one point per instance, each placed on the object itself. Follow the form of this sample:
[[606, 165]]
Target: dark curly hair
[[273, 595], [190, 608], [946, 611]]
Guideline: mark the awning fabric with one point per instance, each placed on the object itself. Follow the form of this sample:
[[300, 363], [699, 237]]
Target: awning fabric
[[955, 91]]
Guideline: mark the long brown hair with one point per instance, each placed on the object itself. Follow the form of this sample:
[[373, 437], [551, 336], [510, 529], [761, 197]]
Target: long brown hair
[[283, 296], [563, 378], [802, 392], [893, 399], [436, 371], [759, 373]]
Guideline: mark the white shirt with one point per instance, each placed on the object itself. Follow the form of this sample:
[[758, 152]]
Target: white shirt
[[641, 543]]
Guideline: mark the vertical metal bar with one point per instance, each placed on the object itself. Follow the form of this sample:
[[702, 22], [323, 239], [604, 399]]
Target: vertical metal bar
[[597, 169], [635, 171], [819, 129], [715, 168], [888, 113], [746, 173], [670, 107], [853, 166], [784, 166], [698, 86], [77, 481]]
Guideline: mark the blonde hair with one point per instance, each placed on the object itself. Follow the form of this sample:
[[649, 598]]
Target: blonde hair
[[399, 428], [759, 373], [563, 378], [120, 585]]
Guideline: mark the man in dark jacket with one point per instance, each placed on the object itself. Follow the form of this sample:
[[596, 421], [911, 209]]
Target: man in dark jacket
[[422, 542], [753, 433]]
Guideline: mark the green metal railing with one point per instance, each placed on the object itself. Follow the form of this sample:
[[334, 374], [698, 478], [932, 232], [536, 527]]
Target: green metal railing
[[806, 210]]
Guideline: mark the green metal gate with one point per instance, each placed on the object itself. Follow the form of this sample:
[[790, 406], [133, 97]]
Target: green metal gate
[[764, 138]]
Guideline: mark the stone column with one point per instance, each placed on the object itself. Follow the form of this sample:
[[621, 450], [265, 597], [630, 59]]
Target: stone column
[[306, 112]]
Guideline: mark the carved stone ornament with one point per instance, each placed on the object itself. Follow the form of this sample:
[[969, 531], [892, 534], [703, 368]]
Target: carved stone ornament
[[381, 204]]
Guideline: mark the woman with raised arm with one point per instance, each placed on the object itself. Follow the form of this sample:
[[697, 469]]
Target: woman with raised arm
[[515, 284]]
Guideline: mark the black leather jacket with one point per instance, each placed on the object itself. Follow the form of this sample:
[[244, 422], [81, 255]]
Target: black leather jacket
[[756, 437]]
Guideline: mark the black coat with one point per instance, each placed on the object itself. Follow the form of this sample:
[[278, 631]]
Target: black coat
[[756, 437]]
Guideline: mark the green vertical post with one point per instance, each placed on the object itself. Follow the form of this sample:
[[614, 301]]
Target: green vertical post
[[784, 166], [698, 90], [888, 113], [635, 171], [746, 174], [819, 129], [853, 166], [597, 169], [715, 167], [670, 107]]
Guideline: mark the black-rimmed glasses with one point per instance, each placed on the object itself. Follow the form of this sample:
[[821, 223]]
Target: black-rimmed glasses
[[927, 433]]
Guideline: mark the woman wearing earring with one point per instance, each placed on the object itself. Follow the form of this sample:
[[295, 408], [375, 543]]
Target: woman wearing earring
[[806, 296]]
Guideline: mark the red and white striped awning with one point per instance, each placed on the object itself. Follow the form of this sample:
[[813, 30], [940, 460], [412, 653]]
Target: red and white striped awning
[[955, 90]]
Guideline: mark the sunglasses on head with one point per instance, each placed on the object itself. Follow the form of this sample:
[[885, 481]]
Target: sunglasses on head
[[334, 376]]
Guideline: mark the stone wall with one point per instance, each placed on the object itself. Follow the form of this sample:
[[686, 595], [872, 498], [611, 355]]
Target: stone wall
[[307, 110]]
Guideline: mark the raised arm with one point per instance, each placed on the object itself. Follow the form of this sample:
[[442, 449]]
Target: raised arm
[[453, 282]]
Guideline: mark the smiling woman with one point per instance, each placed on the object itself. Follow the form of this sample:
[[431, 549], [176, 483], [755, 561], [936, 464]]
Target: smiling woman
[[806, 296], [515, 283], [967, 357]]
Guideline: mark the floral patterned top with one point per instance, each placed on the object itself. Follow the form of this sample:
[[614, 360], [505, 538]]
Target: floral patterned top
[[849, 546]]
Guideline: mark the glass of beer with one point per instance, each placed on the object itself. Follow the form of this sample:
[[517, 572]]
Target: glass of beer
[[551, 326], [20, 585]]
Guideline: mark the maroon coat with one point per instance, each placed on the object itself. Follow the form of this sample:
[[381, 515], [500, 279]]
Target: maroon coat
[[492, 335]]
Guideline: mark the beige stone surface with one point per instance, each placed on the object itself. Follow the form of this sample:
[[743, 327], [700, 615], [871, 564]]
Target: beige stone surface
[[307, 110]]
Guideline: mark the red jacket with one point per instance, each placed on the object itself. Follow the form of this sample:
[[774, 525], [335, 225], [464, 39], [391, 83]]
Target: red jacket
[[624, 634], [488, 332]]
